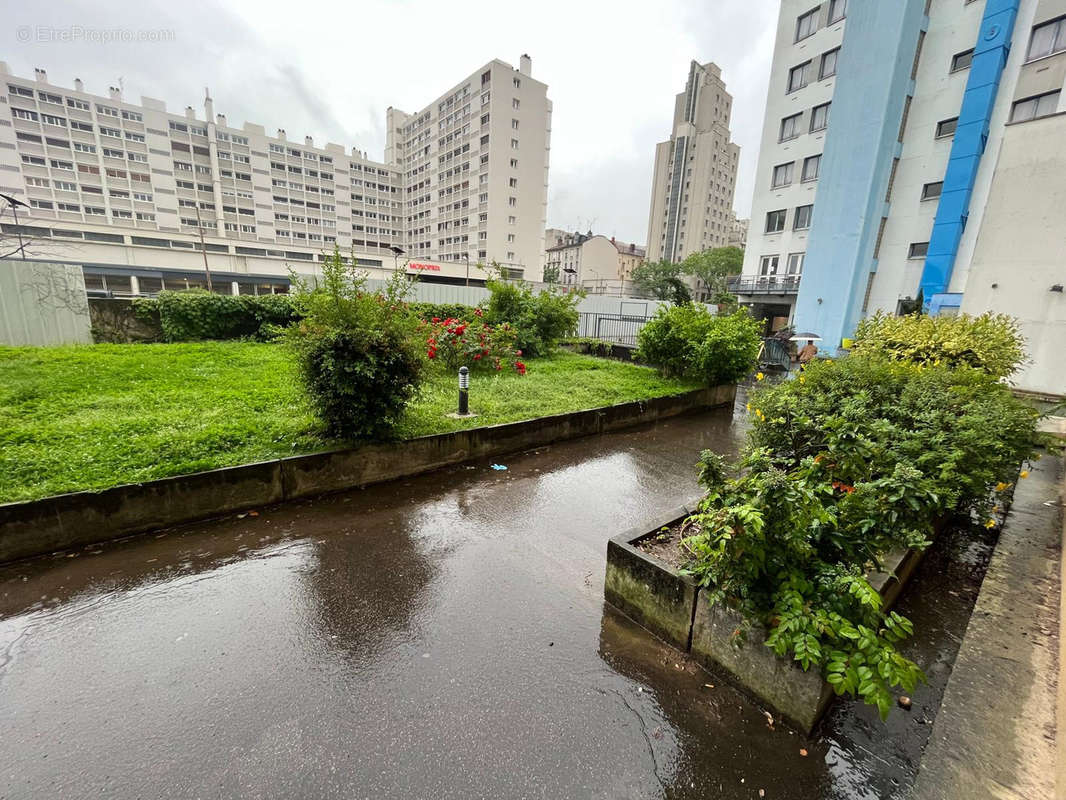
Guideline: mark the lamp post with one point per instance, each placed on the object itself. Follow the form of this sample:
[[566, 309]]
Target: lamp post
[[467, 257], [203, 248], [15, 203], [464, 391], [396, 253]]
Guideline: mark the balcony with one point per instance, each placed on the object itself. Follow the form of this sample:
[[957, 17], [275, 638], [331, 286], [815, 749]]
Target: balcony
[[763, 284]]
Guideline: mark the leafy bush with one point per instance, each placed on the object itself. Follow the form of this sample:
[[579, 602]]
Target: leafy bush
[[849, 461], [689, 341], [428, 311], [196, 315], [358, 352], [540, 320], [456, 343], [991, 342]]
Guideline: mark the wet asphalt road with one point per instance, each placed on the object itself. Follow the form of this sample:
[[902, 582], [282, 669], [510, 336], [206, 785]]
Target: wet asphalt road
[[442, 637]]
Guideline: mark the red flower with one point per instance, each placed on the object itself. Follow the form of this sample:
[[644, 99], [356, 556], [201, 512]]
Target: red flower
[[477, 311], [435, 319], [477, 356], [432, 353]]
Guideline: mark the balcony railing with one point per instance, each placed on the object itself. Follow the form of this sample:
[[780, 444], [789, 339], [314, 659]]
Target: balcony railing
[[764, 284]]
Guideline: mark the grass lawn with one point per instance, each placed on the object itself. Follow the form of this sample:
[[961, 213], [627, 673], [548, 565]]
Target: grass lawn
[[90, 417]]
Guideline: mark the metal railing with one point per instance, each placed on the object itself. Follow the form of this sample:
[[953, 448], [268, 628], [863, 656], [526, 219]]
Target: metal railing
[[764, 284], [618, 328], [774, 353]]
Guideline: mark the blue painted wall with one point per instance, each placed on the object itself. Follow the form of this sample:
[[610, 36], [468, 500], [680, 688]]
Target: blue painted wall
[[880, 38], [989, 58]]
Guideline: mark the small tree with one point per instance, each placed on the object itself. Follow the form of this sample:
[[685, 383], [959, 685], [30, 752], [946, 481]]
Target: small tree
[[357, 352], [551, 273], [662, 279], [714, 266]]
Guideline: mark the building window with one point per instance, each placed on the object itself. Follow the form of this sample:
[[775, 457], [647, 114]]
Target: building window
[[798, 77], [828, 67], [962, 60], [1033, 107], [820, 117], [932, 190], [946, 127], [918, 250], [811, 165], [795, 263], [837, 9], [1048, 38], [790, 127], [775, 221], [807, 24], [782, 175], [768, 265], [802, 220]]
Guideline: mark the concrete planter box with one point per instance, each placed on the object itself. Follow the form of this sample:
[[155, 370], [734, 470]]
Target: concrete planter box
[[650, 592], [672, 607]]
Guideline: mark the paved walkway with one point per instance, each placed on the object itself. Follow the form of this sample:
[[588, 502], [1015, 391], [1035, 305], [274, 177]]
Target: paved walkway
[[995, 734]]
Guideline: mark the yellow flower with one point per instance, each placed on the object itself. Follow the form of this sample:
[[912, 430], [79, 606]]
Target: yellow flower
[[990, 524], [1001, 486], [802, 379], [748, 407], [759, 376], [1023, 474]]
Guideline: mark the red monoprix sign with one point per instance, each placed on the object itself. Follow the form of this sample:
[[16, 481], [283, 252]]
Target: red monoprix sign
[[420, 265]]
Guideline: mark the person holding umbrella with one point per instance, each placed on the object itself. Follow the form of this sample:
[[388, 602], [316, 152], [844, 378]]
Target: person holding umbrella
[[809, 351]]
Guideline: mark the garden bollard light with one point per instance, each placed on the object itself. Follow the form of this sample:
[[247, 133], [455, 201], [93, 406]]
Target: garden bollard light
[[464, 385]]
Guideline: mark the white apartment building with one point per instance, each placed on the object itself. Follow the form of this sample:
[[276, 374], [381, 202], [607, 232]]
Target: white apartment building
[[695, 171], [128, 189], [588, 260], [798, 101], [738, 233], [474, 170], [912, 152]]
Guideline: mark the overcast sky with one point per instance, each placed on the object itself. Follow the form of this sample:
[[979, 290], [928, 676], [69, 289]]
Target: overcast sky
[[330, 70]]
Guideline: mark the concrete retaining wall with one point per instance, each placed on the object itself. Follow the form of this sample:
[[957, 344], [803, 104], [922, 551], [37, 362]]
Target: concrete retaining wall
[[71, 520]]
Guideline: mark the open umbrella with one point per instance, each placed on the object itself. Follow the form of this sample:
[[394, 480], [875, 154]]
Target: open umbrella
[[803, 337]]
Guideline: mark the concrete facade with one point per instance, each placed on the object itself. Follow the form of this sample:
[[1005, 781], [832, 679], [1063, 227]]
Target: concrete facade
[[474, 169], [926, 99], [695, 171], [111, 182], [586, 258]]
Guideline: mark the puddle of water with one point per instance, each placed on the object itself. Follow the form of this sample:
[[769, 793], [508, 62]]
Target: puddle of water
[[443, 636]]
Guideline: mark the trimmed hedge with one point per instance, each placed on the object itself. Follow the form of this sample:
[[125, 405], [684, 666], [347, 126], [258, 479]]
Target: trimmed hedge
[[196, 315]]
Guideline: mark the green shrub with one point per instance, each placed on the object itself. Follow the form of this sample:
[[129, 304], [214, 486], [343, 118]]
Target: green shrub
[[540, 319], [847, 462], [689, 341], [358, 352], [428, 311], [991, 342], [471, 343], [196, 315]]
